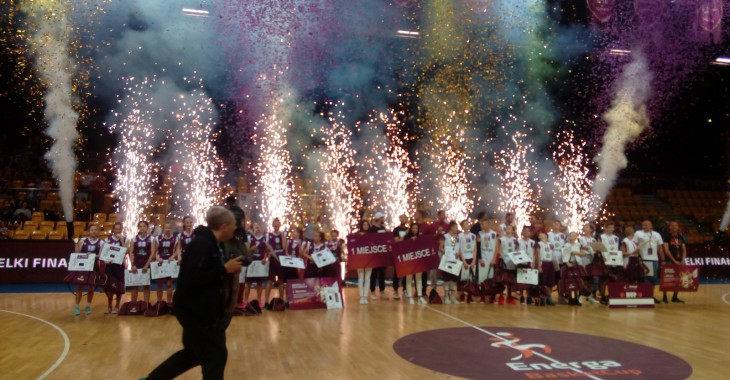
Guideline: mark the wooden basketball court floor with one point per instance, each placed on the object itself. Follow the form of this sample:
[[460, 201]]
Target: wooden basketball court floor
[[40, 338]]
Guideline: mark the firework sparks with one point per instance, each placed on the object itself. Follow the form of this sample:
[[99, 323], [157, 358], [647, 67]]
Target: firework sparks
[[134, 152], [391, 181], [517, 195], [274, 169], [574, 198], [338, 182], [199, 178]]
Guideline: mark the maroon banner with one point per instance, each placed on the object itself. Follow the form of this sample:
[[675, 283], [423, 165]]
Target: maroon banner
[[371, 250], [308, 293], [28, 261], [630, 295], [415, 256], [602, 10], [679, 278], [709, 20], [649, 11]]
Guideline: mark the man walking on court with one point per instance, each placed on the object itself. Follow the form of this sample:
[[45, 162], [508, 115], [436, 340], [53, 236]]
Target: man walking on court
[[203, 292]]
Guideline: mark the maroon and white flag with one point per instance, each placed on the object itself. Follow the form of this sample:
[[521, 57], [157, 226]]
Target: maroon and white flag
[[601, 10], [415, 256], [371, 250]]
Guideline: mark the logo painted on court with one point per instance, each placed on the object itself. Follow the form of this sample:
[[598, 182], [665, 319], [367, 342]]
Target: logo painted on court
[[519, 353]]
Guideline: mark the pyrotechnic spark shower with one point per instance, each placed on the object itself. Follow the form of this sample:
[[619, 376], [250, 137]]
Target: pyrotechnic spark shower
[[392, 184], [133, 154], [274, 169], [516, 192], [341, 193], [193, 147], [574, 198]]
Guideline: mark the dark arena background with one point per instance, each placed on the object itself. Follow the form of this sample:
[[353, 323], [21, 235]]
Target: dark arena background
[[587, 116]]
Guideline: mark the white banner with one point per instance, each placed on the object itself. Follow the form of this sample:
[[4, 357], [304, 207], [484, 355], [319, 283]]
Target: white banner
[[323, 258], [136, 279], [81, 262], [450, 264], [291, 262], [161, 270], [113, 254], [257, 269], [520, 257], [613, 258], [527, 276]]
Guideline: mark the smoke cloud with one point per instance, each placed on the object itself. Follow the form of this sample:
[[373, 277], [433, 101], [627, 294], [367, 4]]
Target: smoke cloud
[[626, 119], [50, 46]]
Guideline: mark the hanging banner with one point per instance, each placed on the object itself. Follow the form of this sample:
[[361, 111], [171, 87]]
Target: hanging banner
[[602, 10], [709, 20], [649, 11]]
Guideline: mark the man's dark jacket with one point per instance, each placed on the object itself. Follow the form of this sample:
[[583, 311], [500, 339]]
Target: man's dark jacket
[[201, 294]]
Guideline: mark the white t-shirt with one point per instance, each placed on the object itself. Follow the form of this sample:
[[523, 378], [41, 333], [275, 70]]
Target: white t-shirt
[[630, 247], [648, 243], [611, 242], [489, 244], [557, 239], [528, 247], [451, 245], [585, 242], [467, 244], [509, 245], [574, 248], [545, 250]]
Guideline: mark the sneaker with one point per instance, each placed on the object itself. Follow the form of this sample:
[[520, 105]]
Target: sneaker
[[108, 310], [664, 299], [454, 299], [365, 301], [373, 296], [396, 296], [469, 299], [115, 310], [592, 299], [541, 302], [87, 310], [604, 300], [462, 297], [499, 300], [677, 300], [522, 300], [411, 301], [362, 301], [77, 310], [530, 301], [422, 301], [656, 301], [447, 299], [512, 301], [549, 301]]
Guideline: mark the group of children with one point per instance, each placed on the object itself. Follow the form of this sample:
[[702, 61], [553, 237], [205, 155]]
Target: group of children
[[486, 247]]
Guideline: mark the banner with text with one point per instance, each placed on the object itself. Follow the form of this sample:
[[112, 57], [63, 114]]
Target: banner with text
[[28, 261], [415, 256], [371, 250], [311, 293], [679, 278]]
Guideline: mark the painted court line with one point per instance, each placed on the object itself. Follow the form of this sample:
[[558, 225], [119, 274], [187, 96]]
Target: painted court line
[[505, 340], [66, 342], [725, 299]]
